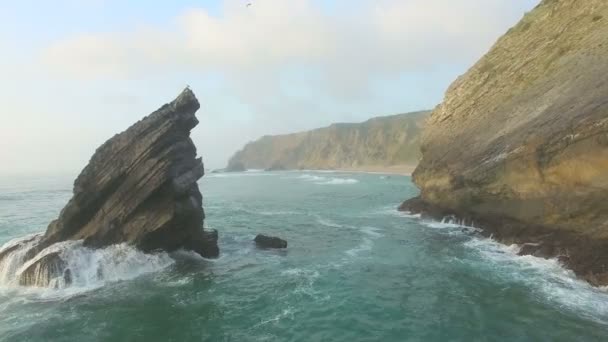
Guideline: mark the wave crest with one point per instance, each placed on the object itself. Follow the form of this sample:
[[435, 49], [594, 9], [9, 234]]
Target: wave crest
[[320, 180], [88, 268]]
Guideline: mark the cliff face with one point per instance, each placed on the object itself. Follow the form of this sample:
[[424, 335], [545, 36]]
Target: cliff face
[[520, 141], [139, 188], [382, 141]]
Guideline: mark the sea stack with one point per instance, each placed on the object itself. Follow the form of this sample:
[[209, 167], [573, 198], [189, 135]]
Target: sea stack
[[140, 188], [519, 145]]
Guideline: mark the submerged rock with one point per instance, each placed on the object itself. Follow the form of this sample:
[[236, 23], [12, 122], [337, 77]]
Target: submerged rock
[[265, 241], [520, 143], [140, 188]]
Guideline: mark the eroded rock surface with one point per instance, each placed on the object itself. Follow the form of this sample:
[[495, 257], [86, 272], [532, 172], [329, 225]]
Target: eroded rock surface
[[140, 188], [520, 143]]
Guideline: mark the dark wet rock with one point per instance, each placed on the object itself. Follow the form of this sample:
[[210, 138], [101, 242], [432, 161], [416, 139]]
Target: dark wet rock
[[208, 243], [42, 271], [265, 241], [140, 188], [529, 249]]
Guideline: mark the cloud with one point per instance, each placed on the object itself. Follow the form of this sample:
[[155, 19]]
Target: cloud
[[274, 67], [385, 36]]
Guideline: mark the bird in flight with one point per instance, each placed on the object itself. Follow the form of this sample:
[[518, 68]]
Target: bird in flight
[[248, 4]]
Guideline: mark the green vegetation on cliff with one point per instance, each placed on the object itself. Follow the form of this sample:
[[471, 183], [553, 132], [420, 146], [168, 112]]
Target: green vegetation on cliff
[[382, 141], [522, 138]]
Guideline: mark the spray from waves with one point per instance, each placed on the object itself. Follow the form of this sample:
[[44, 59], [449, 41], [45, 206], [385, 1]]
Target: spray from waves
[[320, 180], [545, 277], [388, 210], [89, 268], [12, 256], [450, 225]]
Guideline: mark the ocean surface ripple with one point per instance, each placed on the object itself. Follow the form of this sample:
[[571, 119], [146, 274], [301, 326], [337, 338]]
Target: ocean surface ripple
[[355, 270]]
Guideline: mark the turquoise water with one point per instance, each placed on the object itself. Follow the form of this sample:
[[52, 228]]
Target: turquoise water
[[355, 270]]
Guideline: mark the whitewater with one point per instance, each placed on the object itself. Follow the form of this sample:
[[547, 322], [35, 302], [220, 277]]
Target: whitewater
[[355, 270]]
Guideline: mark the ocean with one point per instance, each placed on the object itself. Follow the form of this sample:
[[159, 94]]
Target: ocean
[[355, 270]]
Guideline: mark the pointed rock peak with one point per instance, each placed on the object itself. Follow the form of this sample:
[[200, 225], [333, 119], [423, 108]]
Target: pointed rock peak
[[186, 101], [139, 188]]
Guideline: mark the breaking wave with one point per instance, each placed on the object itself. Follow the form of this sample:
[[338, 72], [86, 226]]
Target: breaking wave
[[88, 268], [546, 277], [320, 180]]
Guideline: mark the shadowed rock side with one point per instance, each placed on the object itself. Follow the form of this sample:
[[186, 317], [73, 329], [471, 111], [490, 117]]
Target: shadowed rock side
[[265, 241], [520, 143], [140, 188], [382, 141]]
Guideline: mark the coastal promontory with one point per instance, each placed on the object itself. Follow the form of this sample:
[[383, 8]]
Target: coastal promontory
[[519, 145], [378, 143]]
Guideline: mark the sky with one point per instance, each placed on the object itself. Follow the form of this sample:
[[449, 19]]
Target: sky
[[75, 72]]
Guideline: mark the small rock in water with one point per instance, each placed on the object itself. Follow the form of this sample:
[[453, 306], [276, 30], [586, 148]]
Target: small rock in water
[[264, 241]]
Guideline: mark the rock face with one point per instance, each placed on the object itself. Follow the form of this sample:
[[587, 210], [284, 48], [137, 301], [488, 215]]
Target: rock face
[[264, 241], [383, 141], [140, 188], [520, 143]]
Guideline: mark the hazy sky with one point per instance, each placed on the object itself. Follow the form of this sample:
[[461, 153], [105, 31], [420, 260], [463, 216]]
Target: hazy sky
[[75, 72]]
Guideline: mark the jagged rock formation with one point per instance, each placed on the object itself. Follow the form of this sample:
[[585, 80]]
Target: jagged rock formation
[[381, 141], [520, 142], [140, 188]]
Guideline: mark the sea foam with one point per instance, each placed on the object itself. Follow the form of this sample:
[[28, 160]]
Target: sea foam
[[89, 268], [320, 180], [546, 277]]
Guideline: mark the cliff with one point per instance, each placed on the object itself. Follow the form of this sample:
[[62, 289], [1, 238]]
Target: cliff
[[381, 141], [140, 188], [520, 143]]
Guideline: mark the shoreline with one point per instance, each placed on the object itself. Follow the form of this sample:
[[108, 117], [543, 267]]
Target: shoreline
[[401, 170], [579, 253]]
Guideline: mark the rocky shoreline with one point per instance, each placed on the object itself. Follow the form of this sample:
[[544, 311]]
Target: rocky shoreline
[[519, 144], [585, 255]]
